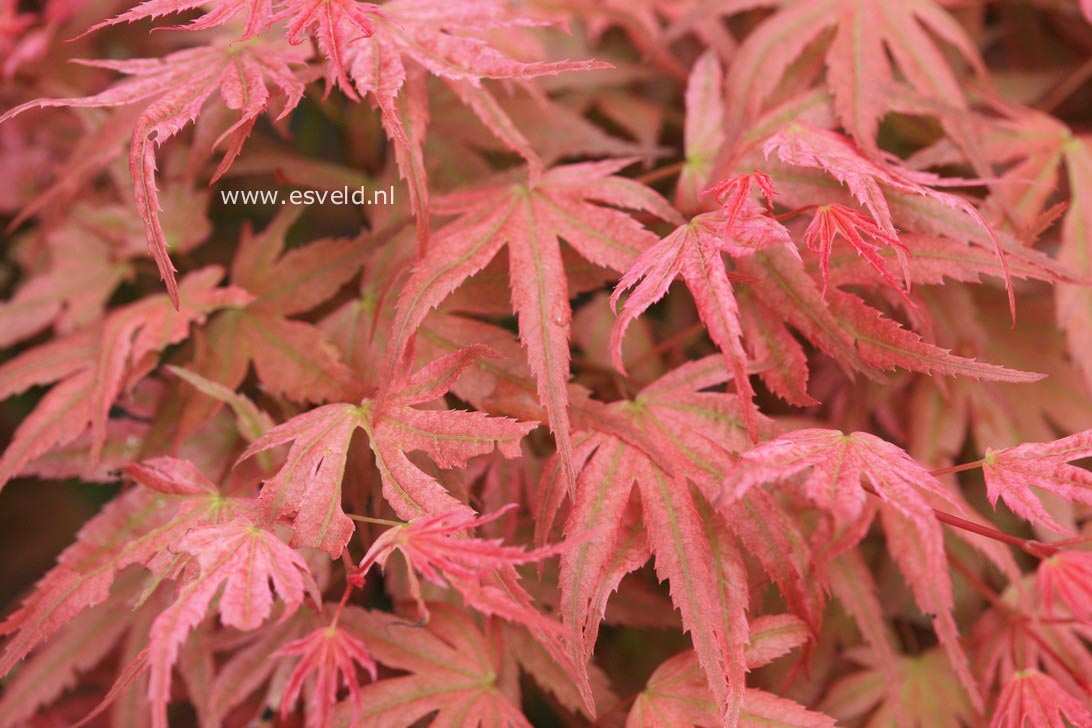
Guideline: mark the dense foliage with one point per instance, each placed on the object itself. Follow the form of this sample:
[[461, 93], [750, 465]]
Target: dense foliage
[[703, 362]]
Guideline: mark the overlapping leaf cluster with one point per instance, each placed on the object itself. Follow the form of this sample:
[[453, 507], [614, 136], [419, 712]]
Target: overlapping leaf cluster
[[716, 363]]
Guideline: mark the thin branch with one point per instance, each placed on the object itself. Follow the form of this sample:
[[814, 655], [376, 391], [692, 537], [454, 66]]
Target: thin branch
[[376, 521], [668, 344], [1036, 548], [977, 584], [1065, 88], [662, 173], [794, 212], [956, 468]]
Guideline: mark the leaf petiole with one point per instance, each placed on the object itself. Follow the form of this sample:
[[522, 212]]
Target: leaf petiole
[[376, 521]]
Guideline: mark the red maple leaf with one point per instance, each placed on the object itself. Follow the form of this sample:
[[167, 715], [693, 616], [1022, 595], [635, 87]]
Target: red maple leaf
[[1014, 473], [307, 488], [840, 467], [804, 145], [324, 655], [94, 366], [693, 252], [452, 668], [436, 546], [176, 88], [244, 559], [1033, 699], [831, 222], [570, 203]]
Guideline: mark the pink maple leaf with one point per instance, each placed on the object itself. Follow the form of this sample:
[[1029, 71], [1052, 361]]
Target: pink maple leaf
[[677, 694], [569, 202], [414, 37], [291, 357], [1031, 699], [482, 571], [1013, 474], [336, 25], [698, 555], [704, 133], [860, 43], [436, 546], [176, 88], [244, 559], [325, 655], [1066, 577], [804, 145], [259, 14], [307, 488], [863, 235], [143, 526], [839, 468], [693, 252]]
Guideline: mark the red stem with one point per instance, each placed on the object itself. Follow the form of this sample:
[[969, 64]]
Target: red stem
[[977, 584], [794, 213], [667, 344], [1035, 548], [661, 173], [1031, 546], [352, 581], [1053, 654], [956, 468]]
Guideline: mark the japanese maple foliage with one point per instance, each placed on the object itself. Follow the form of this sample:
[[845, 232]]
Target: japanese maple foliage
[[702, 362]]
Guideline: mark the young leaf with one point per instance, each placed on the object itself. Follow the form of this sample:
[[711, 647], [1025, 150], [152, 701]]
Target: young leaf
[[1032, 698], [804, 145], [328, 652], [436, 547], [831, 222], [336, 25], [1014, 474]]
